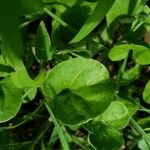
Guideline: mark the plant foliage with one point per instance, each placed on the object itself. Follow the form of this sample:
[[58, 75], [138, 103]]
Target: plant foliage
[[74, 74]]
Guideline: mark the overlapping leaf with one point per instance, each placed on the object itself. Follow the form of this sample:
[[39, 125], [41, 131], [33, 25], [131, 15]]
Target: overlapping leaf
[[81, 86], [11, 42], [99, 12], [31, 7], [116, 115], [141, 53], [100, 135]]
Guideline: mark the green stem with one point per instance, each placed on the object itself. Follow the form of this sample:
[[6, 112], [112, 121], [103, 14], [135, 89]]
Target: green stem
[[145, 110], [120, 74], [15, 144], [22, 25], [59, 130], [79, 143], [141, 131], [45, 126], [142, 108], [59, 20]]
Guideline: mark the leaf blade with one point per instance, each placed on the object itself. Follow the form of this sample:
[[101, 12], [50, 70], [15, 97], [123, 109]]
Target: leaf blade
[[96, 17]]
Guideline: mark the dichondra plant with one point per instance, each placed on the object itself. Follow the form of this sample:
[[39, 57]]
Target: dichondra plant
[[74, 74]]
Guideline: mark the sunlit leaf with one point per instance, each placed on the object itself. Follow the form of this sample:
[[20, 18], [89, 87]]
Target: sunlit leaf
[[146, 94], [80, 84], [11, 101]]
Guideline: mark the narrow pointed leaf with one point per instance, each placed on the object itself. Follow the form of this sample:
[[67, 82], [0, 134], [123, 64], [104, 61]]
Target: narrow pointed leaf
[[43, 44], [100, 11]]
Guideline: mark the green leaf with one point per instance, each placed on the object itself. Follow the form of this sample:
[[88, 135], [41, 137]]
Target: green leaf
[[116, 115], [131, 104], [121, 8], [119, 52], [145, 122], [43, 44], [141, 54], [9, 52], [105, 138], [76, 52], [11, 41], [10, 27], [59, 130], [5, 69], [78, 90], [99, 12], [122, 12], [53, 138], [146, 93], [11, 101], [31, 7], [142, 144], [71, 21], [131, 75], [30, 92]]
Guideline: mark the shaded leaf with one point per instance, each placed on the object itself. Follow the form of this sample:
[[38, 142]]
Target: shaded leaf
[[144, 123], [102, 135], [31, 7], [11, 41], [146, 93], [99, 12], [120, 8], [131, 75], [5, 69], [131, 104], [43, 44]]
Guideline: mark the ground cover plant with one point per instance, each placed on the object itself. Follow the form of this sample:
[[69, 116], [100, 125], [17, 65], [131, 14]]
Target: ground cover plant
[[74, 74]]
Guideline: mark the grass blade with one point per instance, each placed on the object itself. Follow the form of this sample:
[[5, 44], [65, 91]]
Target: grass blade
[[60, 133], [100, 11]]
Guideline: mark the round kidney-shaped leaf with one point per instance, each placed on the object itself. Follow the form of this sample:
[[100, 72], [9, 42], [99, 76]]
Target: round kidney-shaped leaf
[[119, 52], [116, 115], [141, 54], [79, 90], [10, 100], [146, 93]]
